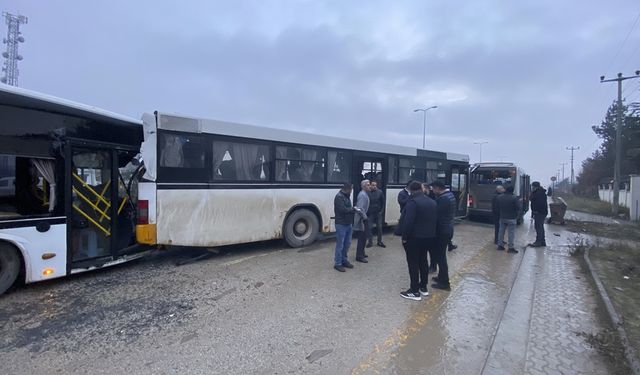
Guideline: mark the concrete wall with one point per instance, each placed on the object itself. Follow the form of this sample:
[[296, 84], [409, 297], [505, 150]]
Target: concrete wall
[[629, 197]]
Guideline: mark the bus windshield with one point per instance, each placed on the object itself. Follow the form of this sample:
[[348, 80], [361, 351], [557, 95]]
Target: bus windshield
[[493, 176]]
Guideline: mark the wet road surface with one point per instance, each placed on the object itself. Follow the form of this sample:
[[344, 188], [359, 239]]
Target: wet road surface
[[268, 309]]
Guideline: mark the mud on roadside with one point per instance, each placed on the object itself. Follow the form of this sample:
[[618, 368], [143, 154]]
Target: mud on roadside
[[618, 267]]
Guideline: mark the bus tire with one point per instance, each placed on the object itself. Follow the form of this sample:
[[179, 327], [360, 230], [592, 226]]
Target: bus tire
[[301, 228], [9, 266]]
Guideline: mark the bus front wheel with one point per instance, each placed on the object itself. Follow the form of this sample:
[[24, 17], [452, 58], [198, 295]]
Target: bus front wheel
[[9, 266], [301, 228]]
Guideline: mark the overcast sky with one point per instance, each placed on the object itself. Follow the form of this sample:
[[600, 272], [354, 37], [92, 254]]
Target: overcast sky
[[524, 78]]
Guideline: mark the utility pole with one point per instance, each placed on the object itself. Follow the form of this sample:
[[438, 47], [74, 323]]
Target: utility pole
[[11, 56], [572, 149], [619, 119], [562, 164]]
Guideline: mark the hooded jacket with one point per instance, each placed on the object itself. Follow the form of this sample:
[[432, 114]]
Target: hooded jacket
[[539, 201]]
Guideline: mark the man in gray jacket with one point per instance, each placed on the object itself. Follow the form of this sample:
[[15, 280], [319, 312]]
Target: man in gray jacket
[[360, 222], [510, 207]]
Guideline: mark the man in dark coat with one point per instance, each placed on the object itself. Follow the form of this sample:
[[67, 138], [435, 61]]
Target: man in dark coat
[[539, 211], [495, 211], [510, 207], [344, 214], [446, 204], [403, 197], [375, 213], [418, 232]]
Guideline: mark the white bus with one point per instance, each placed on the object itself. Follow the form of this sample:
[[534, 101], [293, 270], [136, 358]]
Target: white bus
[[211, 183], [66, 176], [485, 177]]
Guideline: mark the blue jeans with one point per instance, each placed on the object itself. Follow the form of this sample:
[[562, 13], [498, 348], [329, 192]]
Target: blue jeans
[[509, 224], [343, 241]]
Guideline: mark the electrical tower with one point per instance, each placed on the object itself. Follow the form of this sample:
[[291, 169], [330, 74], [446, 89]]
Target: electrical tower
[[11, 56], [572, 149]]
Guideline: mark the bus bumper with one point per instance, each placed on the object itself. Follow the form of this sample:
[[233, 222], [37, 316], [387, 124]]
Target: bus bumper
[[146, 234]]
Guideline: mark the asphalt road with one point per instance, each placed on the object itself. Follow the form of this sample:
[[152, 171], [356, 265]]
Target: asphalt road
[[262, 309]]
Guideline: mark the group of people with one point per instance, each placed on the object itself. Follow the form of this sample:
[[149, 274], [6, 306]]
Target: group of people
[[426, 227], [507, 208]]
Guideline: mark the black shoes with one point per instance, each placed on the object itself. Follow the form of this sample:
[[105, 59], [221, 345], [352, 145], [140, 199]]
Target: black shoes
[[452, 247], [512, 251], [441, 286], [347, 265], [411, 295], [538, 244], [381, 244], [339, 268], [500, 247], [424, 292], [362, 260]]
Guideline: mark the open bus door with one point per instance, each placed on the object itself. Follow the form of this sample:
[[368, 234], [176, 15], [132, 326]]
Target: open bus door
[[369, 168], [100, 204], [460, 187]]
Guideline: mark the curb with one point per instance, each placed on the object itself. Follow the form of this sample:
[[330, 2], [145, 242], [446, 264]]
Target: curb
[[629, 351]]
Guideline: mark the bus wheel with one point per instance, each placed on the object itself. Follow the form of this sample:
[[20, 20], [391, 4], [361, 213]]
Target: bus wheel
[[9, 266], [301, 228]]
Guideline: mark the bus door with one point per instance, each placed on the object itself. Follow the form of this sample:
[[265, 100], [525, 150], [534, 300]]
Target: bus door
[[101, 209], [459, 188], [368, 168]]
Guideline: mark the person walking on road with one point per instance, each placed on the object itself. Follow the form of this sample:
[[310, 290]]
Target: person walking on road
[[446, 207], [495, 211], [419, 220], [361, 222], [539, 211], [344, 214], [375, 213], [510, 207]]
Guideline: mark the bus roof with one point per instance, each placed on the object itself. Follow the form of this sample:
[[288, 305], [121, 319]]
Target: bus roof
[[495, 165], [198, 125], [19, 97]]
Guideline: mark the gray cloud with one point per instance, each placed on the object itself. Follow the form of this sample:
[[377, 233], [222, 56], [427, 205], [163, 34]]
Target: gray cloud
[[523, 77]]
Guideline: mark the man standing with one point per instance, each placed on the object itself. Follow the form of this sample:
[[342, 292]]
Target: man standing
[[510, 207], [446, 205], [344, 213], [375, 213], [418, 232], [495, 210], [403, 197], [539, 211], [361, 222]]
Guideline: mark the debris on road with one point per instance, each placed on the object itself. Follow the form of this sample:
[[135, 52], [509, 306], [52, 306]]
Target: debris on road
[[317, 354]]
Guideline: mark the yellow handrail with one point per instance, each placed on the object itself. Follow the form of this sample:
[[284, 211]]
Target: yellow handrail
[[106, 232], [88, 187], [90, 203]]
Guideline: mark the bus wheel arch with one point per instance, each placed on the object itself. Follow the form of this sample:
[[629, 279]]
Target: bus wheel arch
[[302, 225], [11, 265]]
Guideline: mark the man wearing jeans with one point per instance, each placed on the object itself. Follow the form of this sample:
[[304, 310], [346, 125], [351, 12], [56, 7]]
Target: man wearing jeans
[[510, 207], [343, 211]]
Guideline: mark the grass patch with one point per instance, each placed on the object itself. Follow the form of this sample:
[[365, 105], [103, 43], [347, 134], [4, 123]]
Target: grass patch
[[618, 266], [591, 206], [626, 231]]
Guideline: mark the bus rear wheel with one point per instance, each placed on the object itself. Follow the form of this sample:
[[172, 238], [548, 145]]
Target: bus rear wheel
[[9, 266], [301, 228]]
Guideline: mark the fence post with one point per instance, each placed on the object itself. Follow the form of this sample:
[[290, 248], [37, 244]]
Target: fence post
[[634, 209]]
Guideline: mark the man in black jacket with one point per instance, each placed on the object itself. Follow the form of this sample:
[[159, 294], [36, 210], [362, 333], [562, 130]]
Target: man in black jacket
[[375, 212], [495, 211], [539, 211], [446, 203], [510, 207], [418, 232], [344, 214]]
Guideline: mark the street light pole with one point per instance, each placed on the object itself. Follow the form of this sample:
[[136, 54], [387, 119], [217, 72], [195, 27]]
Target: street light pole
[[480, 143], [424, 123]]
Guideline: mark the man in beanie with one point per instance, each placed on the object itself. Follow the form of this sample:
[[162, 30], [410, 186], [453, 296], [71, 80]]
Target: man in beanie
[[539, 211]]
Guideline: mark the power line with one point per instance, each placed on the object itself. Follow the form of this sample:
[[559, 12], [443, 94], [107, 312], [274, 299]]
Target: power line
[[633, 26]]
